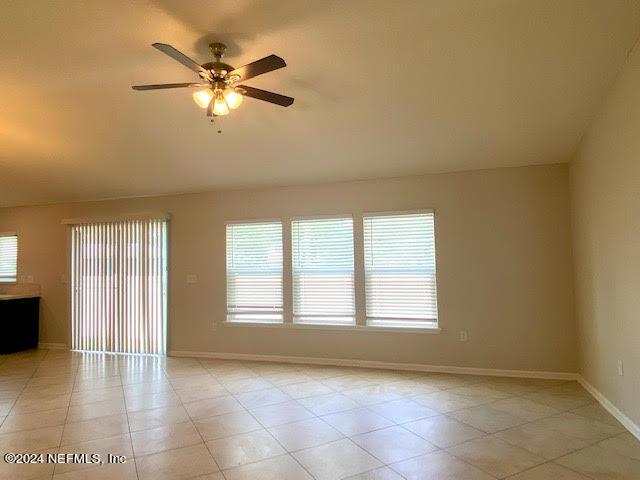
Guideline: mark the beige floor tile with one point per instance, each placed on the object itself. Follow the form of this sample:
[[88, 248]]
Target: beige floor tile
[[371, 395], [602, 463], [330, 403], [91, 383], [443, 431], [439, 466], [306, 389], [191, 394], [261, 398], [495, 456], [226, 425], [157, 417], [549, 471], [118, 445], [196, 381], [97, 395], [595, 411], [124, 471], [580, 427], [37, 405], [30, 471], [242, 385], [244, 448], [146, 388], [403, 410], [274, 415], [164, 438], [178, 464], [283, 467], [28, 421], [305, 434], [393, 444], [210, 407], [624, 444], [5, 407], [561, 400], [487, 418], [347, 459], [148, 401], [31, 440], [523, 408], [541, 440], [210, 476], [384, 473], [445, 401], [480, 392], [88, 411], [94, 429], [359, 420]]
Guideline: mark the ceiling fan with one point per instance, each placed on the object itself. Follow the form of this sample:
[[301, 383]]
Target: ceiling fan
[[221, 91]]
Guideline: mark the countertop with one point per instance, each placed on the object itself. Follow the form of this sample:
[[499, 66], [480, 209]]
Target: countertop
[[16, 296]]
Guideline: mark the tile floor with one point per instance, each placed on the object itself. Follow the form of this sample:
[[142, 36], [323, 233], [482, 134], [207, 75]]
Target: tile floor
[[175, 418]]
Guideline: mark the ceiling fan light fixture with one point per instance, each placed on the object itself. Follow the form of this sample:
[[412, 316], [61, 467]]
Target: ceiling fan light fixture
[[220, 106], [233, 97], [203, 97]]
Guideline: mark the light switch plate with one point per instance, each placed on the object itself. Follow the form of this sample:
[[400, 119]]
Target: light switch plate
[[192, 278]]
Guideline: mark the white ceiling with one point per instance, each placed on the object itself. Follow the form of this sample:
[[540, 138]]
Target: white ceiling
[[382, 88]]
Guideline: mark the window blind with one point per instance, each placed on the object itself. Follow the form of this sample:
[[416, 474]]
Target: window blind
[[119, 286], [323, 278], [400, 270], [254, 272], [8, 257]]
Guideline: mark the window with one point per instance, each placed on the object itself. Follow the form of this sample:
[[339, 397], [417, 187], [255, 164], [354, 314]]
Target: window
[[400, 270], [119, 286], [322, 261], [8, 257], [254, 272]]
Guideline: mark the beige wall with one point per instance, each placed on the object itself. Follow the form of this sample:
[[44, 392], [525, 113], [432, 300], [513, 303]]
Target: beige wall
[[503, 253], [605, 178]]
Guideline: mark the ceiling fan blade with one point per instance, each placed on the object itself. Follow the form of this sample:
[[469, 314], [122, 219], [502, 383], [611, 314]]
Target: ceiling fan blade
[[270, 97], [169, 85], [253, 69], [181, 57]]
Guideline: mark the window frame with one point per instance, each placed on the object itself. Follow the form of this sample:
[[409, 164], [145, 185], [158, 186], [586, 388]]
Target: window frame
[[409, 325], [256, 321], [15, 278]]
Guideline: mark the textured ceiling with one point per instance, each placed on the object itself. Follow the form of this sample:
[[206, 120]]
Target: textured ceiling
[[382, 89]]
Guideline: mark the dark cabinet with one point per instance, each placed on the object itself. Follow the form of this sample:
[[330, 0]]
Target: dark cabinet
[[19, 324]]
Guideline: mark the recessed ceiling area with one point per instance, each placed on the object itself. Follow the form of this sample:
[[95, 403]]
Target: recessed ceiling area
[[382, 89]]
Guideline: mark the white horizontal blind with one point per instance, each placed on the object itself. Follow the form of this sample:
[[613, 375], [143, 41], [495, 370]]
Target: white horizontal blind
[[323, 278], [254, 272], [8, 258], [400, 270], [119, 286]]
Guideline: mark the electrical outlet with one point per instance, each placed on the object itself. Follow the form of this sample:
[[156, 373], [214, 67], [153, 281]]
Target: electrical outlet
[[29, 278], [620, 368], [463, 336], [192, 278]]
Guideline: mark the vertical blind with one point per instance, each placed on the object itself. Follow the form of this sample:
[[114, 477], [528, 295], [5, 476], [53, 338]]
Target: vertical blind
[[254, 272], [119, 286], [400, 270], [8, 257], [323, 273]]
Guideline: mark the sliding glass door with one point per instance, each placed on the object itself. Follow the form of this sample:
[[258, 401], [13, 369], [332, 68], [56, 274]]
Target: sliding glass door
[[119, 286]]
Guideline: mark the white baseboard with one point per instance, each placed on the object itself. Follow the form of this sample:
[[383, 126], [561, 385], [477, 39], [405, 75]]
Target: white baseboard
[[610, 407], [53, 346], [344, 362]]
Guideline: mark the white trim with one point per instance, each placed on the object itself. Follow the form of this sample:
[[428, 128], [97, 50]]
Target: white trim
[[397, 213], [53, 346], [610, 407], [351, 327], [252, 221], [348, 362], [117, 218]]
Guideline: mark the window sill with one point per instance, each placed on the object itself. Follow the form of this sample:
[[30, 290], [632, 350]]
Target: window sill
[[352, 328]]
